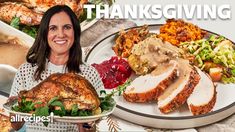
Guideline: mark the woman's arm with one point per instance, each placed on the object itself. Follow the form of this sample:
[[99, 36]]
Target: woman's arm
[[18, 83]]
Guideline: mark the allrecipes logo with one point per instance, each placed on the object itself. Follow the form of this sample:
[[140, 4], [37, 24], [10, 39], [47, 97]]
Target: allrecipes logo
[[33, 118], [158, 11]]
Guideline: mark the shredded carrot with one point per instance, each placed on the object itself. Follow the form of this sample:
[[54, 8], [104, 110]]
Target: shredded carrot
[[177, 31]]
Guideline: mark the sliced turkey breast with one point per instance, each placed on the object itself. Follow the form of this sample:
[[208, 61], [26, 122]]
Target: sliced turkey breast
[[178, 92], [148, 87], [203, 98]]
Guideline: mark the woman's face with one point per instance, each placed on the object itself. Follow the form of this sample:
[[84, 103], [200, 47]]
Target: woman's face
[[60, 34]]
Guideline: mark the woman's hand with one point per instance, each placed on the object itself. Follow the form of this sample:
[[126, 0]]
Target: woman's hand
[[12, 98], [80, 127], [16, 125], [87, 127]]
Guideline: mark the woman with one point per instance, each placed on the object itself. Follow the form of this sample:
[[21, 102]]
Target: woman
[[56, 49]]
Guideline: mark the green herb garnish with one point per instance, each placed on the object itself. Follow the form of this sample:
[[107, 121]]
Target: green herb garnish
[[15, 22], [30, 30], [107, 102]]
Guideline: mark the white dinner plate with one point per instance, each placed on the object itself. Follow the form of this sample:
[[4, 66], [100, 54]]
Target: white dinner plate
[[147, 114]]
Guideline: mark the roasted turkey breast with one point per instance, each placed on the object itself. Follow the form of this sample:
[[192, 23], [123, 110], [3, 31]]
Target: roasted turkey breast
[[148, 87], [167, 79], [178, 92], [27, 16], [203, 98], [70, 88]]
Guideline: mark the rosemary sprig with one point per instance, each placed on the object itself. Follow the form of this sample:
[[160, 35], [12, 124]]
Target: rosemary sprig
[[120, 89], [107, 102]]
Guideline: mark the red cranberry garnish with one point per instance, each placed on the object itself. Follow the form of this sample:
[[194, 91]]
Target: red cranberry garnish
[[113, 72]]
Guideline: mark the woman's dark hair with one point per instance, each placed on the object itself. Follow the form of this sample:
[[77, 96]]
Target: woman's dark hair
[[40, 50]]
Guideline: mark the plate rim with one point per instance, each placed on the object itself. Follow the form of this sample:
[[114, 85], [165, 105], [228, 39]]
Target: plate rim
[[4, 94], [157, 116]]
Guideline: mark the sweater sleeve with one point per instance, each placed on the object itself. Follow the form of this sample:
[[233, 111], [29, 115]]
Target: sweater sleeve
[[18, 83], [92, 75], [22, 79]]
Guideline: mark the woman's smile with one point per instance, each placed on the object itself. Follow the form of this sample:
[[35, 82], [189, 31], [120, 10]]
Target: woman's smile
[[60, 42]]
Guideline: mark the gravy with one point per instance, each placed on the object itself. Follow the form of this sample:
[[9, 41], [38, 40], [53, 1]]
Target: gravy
[[12, 52]]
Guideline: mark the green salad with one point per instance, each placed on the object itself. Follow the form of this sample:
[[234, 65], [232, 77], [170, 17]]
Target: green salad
[[215, 55]]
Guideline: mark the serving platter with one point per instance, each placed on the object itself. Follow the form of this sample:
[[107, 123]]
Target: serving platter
[[147, 114], [7, 72], [71, 119], [9, 30]]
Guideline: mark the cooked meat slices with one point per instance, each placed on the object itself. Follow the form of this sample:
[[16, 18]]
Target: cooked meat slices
[[178, 92], [148, 87], [44, 5], [27, 16], [70, 88], [203, 98]]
